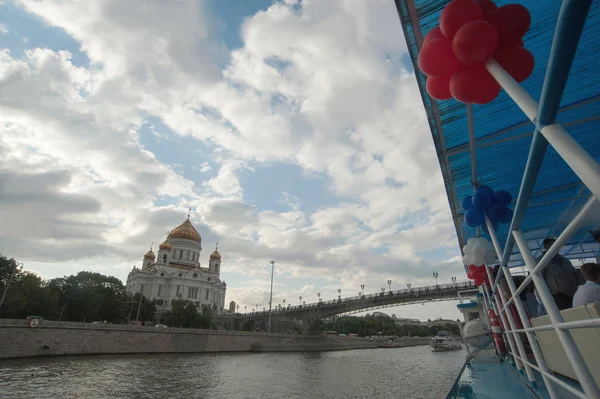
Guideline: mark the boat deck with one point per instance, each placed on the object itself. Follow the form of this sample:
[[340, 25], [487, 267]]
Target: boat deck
[[488, 377]]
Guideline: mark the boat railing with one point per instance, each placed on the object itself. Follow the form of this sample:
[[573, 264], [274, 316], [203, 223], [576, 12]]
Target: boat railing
[[571, 20]]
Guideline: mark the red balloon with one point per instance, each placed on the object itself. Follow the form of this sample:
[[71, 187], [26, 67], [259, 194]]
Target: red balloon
[[435, 33], [471, 84], [437, 58], [475, 42], [478, 280], [507, 41], [472, 268], [471, 275], [490, 95], [511, 20], [458, 13], [517, 61], [438, 87], [487, 8]]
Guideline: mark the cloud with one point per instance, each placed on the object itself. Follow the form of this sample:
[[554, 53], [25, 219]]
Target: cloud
[[321, 85], [3, 29]]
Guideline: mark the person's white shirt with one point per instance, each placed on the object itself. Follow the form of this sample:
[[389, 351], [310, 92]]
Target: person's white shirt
[[587, 293]]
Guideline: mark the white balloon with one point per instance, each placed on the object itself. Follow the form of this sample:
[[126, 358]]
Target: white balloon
[[477, 252], [482, 241]]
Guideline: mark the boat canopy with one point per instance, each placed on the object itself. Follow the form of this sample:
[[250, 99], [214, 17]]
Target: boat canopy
[[503, 133]]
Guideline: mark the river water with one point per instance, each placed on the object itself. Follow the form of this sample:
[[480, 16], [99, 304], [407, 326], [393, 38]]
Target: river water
[[413, 372]]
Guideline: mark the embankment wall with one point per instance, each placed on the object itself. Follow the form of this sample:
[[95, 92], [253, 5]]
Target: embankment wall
[[52, 338]]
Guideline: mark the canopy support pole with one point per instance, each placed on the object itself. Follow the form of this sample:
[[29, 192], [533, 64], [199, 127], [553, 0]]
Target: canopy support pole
[[570, 24]]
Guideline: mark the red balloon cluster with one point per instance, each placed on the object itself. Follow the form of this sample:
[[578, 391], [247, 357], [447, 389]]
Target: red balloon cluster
[[478, 274], [470, 33]]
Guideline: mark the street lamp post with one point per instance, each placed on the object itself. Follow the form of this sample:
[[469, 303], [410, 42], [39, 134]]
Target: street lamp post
[[362, 288], [454, 280], [435, 276], [390, 284], [245, 306], [383, 290], [339, 294], [359, 294], [237, 308], [12, 273], [300, 298], [408, 285], [272, 262]]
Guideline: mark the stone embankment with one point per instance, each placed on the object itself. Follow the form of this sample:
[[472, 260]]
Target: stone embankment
[[53, 338], [17, 339]]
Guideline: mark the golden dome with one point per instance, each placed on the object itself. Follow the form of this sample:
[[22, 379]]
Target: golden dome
[[185, 231], [149, 255], [215, 255], [165, 245]]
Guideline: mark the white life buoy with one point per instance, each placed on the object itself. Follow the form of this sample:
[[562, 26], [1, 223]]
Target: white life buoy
[[34, 323]]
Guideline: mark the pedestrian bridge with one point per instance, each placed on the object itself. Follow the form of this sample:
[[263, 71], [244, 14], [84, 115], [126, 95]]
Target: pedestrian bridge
[[309, 314]]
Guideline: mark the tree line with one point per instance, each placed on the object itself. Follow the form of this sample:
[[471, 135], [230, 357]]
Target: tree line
[[384, 325], [87, 297]]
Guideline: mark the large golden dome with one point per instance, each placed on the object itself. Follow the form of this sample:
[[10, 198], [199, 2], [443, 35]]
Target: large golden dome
[[185, 231], [149, 255], [215, 255]]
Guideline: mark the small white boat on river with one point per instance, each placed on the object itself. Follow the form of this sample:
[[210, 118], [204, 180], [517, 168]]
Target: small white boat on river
[[444, 342]]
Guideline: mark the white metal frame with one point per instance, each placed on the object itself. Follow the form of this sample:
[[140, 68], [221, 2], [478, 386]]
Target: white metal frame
[[588, 170]]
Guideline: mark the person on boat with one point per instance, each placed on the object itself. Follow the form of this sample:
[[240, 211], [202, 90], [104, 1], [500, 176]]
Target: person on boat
[[561, 277], [590, 291], [596, 236]]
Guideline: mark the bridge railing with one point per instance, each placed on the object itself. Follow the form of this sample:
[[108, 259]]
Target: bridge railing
[[402, 292]]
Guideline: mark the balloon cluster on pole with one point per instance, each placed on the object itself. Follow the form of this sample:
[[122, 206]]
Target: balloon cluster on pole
[[477, 253], [470, 33], [487, 202]]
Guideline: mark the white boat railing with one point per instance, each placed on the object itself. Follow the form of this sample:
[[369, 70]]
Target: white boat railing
[[571, 20]]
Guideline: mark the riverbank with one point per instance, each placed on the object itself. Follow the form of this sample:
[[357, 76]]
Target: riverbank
[[53, 338]]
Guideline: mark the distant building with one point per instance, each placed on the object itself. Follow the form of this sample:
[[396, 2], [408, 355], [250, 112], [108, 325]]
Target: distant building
[[441, 321], [176, 272], [380, 314], [232, 307], [403, 321]]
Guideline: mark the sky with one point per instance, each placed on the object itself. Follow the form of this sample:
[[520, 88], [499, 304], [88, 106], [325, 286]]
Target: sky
[[294, 130]]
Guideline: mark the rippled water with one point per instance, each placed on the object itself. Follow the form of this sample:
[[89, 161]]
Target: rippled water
[[413, 372]]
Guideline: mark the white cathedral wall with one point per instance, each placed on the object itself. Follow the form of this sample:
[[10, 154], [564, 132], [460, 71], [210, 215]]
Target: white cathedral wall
[[165, 287]]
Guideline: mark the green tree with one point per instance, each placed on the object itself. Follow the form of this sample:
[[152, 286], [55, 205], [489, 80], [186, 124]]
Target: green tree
[[28, 295], [90, 296]]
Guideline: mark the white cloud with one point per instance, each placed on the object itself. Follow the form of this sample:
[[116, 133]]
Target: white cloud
[[318, 84], [3, 29]]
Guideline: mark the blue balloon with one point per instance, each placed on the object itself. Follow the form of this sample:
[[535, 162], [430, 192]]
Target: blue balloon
[[504, 215], [486, 189], [481, 200], [467, 202], [494, 224], [474, 217], [502, 198]]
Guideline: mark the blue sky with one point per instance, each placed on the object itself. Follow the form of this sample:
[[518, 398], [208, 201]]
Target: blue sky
[[292, 129]]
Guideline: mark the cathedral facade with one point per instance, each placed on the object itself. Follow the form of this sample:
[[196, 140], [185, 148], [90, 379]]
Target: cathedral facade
[[175, 273]]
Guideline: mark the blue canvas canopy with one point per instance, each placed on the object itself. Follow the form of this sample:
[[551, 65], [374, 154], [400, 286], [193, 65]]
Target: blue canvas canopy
[[503, 133]]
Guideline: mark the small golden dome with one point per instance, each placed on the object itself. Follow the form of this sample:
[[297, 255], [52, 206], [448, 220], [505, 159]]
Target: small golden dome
[[165, 245], [149, 255], [215, 255], [185, 231]]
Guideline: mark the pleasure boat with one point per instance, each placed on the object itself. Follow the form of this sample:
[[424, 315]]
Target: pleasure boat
[[540, 141], [444, 341]]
